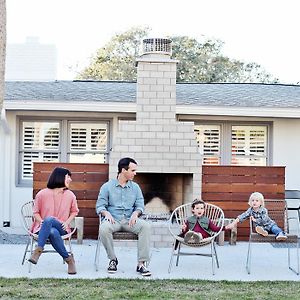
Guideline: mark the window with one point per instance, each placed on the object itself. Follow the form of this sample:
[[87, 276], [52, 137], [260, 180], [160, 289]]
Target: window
[[233, 144], [60, 140], [208, 140]]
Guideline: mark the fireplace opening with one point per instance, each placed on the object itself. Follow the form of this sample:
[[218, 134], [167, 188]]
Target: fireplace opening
[[163, 192]]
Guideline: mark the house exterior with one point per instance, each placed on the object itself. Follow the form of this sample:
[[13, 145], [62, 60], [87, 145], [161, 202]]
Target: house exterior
[[168, 127]]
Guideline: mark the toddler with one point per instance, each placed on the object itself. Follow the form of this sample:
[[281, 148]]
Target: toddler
[[259, 215], [197, 226]]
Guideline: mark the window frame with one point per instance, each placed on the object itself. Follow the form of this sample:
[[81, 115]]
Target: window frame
[[64, 134], [226, 137]]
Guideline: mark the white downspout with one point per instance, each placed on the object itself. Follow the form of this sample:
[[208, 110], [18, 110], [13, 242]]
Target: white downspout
[[5, 172]]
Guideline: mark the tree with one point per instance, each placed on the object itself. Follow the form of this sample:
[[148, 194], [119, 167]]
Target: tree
[[2, 49], [199, 61]]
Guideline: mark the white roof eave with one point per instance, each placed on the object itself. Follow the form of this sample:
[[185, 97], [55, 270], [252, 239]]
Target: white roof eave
[[129, 107], [86, 106], [273, 112]]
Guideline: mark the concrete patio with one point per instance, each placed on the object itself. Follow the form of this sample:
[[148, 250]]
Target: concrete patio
[[268, 263]]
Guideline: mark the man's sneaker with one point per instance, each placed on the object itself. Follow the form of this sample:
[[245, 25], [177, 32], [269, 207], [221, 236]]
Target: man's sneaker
[[112, 267], [281, 236], [261, 231], [143, 270]]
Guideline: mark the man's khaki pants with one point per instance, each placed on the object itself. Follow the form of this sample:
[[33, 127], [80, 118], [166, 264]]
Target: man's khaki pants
[[141, 228]]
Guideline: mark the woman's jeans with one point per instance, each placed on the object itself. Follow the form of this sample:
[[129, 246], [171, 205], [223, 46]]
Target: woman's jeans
[[276, 230], [52, 229]]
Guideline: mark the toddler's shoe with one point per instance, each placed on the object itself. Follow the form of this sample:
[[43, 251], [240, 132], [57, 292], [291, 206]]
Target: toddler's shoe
[[260, 230], [193, 237], [281, 236]]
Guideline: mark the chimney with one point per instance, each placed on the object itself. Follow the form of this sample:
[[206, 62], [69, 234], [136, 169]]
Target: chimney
[[156, 140]]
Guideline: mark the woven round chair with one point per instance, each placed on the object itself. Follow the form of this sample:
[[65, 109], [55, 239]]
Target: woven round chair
[[179, 215]]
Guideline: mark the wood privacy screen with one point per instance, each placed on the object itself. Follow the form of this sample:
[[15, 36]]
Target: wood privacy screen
[[230, 187], [86, 182]]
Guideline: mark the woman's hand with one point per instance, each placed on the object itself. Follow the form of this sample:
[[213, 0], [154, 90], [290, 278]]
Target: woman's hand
[[64, 225], [184, 227]]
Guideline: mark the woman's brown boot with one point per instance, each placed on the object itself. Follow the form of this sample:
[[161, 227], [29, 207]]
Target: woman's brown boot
[[36, 255], [71, 265]]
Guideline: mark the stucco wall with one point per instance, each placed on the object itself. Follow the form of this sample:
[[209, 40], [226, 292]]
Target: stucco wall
[[286, 150]]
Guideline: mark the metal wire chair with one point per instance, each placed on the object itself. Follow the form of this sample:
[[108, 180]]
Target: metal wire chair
[[27, 221], [179, 215]]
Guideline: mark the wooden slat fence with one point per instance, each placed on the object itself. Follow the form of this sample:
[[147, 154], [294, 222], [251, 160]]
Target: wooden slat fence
[[86, 182], [230, 187]]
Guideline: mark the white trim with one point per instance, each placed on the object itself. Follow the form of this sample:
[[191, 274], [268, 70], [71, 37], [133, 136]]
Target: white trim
[[76, 105], [279, 112], [96, 106], [4, 122]]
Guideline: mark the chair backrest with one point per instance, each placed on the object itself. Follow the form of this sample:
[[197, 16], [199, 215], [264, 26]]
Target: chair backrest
[[277, 211], [213, 212], [27, 215]]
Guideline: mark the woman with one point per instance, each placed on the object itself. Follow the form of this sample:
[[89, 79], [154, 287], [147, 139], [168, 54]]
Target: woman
[[54, 209]]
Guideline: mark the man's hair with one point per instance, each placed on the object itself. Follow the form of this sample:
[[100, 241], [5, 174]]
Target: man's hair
[[258, 196], [58, 177], [197, 201], [124, 163]]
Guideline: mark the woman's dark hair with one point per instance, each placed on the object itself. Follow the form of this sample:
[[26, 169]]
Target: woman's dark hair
[[197, 201], [124, 163], [57, 178]]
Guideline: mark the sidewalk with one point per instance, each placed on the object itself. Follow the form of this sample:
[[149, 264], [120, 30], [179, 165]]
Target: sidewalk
[[268, 263]]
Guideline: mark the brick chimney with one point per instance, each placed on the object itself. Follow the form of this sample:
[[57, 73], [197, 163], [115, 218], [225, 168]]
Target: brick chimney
[[156, 140]]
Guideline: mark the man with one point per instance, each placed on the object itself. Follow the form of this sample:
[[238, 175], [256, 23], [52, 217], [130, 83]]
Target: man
[[120, 203]]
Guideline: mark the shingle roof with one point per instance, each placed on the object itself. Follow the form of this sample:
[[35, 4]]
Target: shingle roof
[[208, 94]]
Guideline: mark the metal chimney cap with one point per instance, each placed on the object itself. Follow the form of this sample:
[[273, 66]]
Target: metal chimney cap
[[157, 45]]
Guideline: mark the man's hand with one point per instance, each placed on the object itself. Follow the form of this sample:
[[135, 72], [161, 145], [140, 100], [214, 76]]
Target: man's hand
[[184, 227], [133, 218], [108, 217]]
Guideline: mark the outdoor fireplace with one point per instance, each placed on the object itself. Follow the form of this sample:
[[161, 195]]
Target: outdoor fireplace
[[164, 148], [163, 192]]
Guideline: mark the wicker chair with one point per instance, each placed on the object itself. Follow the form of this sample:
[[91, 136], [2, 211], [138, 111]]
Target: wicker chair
[[277, 211], [27, 220], [179, 215], [118, 235]]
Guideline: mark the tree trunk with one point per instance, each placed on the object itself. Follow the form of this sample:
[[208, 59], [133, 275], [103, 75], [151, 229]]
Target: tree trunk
[[2, 49]]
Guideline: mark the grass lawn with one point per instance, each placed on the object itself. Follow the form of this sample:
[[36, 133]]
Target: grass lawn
[[145, 289]]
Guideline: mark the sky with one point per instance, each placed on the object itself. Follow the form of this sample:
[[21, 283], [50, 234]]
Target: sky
[[261, 31]]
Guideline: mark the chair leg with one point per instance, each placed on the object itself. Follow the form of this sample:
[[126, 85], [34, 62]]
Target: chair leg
[[97, 254], [289, 259], [178, 253], [216, 255], [248, 263], [31, 251], [212, 258], [26, 249], [171, 259]]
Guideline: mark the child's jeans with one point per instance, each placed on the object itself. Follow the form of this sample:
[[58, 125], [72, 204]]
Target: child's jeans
[[276, 230]]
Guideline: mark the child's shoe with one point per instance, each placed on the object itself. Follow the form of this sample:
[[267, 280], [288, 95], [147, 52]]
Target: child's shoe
[[281, 236], [192, 237], [260, 230]]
